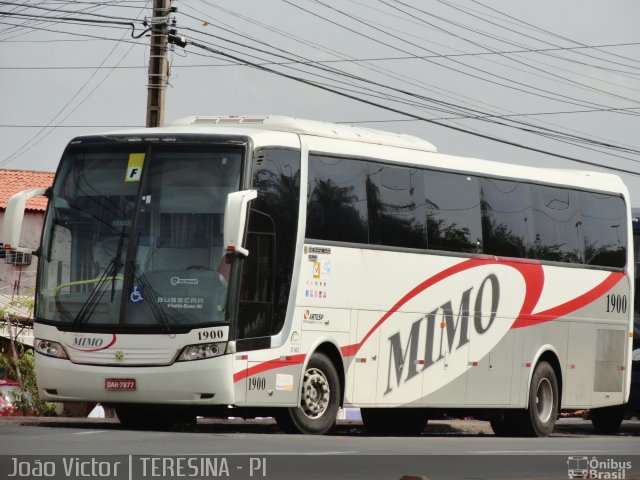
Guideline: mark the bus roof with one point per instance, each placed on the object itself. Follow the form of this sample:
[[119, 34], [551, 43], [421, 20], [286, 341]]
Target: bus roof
[[360, 141], [301, 126]]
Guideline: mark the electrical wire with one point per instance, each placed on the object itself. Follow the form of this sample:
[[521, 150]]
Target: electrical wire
[[408, 114]]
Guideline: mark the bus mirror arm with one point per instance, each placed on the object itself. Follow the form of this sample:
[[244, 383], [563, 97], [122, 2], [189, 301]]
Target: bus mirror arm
[[235, 220], [14, 216]]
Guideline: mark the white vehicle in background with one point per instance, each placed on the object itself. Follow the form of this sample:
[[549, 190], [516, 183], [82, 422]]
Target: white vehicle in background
[[287, 267]]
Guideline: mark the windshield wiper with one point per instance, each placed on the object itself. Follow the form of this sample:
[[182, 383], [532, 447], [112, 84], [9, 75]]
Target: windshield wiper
[[158, 313], [95, 296], [110, 273]]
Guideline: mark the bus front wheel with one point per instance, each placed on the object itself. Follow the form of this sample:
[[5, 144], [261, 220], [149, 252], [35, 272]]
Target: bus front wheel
[[319, 400]]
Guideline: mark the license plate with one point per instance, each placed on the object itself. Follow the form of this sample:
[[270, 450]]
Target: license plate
[[123, 384]]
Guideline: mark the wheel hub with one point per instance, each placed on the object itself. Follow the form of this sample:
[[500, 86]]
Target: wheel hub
[[315, 393], [544, 400]]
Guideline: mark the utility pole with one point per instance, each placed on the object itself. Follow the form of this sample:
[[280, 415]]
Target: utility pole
[[158, 63]]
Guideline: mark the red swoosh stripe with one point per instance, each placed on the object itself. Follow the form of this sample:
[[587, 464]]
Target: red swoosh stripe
[[532, 274], [268, 365], [528, 319], [531, 271]]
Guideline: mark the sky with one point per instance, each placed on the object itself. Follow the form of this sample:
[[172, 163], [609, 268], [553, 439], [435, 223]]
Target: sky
[[559, 77]]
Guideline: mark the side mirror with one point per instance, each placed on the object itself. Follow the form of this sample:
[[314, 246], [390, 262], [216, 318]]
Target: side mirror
[[14, 215], [235, 220]]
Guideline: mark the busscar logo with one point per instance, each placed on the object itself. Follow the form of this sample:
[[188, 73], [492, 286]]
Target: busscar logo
[[312, 317], [427, 346]]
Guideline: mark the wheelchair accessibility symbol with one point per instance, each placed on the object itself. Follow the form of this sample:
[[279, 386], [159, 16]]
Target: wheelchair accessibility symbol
[[136, 294]]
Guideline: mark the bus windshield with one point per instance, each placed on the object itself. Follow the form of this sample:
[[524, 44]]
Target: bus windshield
[[133, 237]]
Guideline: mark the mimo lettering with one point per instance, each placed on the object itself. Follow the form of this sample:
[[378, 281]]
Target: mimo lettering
[[436, 342]]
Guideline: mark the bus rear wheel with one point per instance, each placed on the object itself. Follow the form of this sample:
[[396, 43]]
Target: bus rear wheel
[[394, 421], [319, 400], [540, 418]]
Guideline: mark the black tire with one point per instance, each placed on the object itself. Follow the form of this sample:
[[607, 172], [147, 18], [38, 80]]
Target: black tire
[[540, 418], [319, 402], [283, 419], [607, 420], [150, 417], [394, 421]]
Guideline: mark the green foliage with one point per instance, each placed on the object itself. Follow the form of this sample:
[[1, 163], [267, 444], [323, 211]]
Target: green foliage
[[25, 398]]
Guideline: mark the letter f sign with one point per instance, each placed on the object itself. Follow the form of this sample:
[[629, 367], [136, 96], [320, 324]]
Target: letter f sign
[[134, 167]]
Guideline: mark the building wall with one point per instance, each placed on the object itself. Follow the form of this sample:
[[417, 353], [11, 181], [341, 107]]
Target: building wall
[[25, 274]]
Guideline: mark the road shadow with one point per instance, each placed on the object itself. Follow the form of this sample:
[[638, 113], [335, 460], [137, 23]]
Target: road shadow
[[467, 428]]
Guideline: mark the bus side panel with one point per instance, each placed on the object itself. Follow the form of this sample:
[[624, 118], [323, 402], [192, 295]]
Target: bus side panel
[[489, 378], [549, 336], [578, 384], [365, 363]]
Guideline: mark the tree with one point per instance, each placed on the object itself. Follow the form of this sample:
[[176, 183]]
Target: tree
[[20, 366]]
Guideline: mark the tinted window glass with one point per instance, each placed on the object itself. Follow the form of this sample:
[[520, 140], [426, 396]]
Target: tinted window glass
[[604, 228], [453, 212], [179, 237], [557, 224], [271, 241], [397, 211], [506, 218], [337, 205]]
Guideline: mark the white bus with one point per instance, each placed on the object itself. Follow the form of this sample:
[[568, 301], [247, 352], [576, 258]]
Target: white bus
[[272, 266]]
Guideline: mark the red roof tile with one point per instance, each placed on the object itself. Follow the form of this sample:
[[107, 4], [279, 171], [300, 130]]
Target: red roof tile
[[14, 181]]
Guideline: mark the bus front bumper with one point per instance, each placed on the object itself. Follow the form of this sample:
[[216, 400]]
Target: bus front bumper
[[199, 382]]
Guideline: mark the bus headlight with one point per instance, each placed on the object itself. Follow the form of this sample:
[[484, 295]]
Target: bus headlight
[[49, 348], [201, 351]]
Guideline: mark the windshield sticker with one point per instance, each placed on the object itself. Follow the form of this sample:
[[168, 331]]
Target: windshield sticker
[[134, 167], [183, 281], [182, 303], [136, 295]]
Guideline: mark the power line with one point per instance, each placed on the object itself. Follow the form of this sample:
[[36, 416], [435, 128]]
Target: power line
[[559, 136], [34, 140], [403, 78], [408, 114], [7, 125], [522, 87], [110, 17]]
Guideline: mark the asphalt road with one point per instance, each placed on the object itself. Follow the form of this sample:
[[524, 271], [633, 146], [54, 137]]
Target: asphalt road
[[256, 449]]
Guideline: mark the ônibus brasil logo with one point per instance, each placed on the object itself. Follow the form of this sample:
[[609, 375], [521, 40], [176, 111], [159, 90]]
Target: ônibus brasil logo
[[594, 467]]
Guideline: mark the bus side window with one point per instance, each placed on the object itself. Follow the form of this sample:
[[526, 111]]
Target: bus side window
[[453, 212], [265, 280], [256, 285]]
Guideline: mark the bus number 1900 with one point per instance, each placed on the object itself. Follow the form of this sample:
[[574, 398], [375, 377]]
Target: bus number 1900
[[257, 383], [616, 304], [211, 335]]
